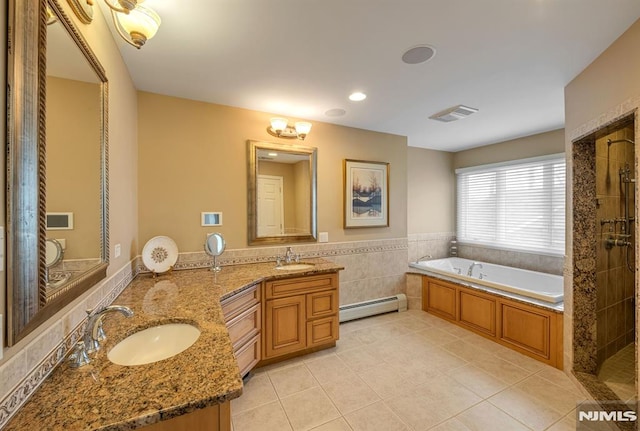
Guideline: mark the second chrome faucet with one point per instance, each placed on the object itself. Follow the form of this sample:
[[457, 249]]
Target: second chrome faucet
[[94, 334]]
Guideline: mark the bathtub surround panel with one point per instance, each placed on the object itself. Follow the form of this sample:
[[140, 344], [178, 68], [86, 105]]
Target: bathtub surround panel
[[532, 330]]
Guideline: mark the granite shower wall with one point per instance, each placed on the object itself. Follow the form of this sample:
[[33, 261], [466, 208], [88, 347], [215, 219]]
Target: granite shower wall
[[614, 282]]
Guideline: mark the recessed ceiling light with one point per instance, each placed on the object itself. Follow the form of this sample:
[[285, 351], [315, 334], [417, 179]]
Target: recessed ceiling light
[[273, 154], [419, 54], [336, 112], [357, 96]]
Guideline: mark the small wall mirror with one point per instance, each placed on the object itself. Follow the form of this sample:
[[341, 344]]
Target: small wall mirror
[[282, 193], [57, 199], [214, 245]]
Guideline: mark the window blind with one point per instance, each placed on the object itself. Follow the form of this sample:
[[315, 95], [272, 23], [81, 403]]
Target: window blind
[[516, 205]]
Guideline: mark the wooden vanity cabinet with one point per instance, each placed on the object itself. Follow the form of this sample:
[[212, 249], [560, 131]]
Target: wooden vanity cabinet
[[301, 314], [243, 317], [213, 418]]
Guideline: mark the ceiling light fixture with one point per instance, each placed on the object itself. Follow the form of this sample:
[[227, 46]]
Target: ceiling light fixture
[[135, 23], [280, 128], [357, 96]]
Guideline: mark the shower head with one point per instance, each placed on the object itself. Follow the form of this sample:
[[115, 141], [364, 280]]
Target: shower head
[[609, 141]]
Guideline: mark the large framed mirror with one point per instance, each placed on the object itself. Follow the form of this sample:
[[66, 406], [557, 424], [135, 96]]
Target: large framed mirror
[[57, 190], [282, 193]]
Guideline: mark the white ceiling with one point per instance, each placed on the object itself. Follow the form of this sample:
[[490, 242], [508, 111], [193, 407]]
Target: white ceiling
[[511, 59]]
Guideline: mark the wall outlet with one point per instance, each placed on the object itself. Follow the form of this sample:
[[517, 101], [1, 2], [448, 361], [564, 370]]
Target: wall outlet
[[117, 250], [323, 237]]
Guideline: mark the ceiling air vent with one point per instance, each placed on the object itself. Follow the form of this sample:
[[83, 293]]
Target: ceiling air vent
[[452, 114]]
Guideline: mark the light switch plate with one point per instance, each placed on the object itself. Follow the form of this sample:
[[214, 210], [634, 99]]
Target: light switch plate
[[117, 250], [323, 237]]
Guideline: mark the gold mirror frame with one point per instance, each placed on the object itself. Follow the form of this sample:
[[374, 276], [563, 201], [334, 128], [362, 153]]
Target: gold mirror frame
[[252, 227], [27, 302]]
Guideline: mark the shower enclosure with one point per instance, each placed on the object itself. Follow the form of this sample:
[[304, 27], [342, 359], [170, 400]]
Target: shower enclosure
[[615, 260]]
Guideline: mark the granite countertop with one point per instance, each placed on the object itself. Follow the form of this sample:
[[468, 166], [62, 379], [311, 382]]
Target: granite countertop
[[106, 396]]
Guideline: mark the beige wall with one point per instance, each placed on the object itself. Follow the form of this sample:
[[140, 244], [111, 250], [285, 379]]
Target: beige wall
[[193, 158], [122, 167], [607, 82], [431, 191], [521, 148]]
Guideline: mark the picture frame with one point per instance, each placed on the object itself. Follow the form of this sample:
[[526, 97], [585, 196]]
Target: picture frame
[[366, 194]]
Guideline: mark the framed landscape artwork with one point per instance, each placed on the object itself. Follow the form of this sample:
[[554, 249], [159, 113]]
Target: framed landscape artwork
[[366, 194]]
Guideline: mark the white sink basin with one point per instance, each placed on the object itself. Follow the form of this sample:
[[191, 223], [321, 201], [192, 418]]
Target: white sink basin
[[295, 267], [154, 344]]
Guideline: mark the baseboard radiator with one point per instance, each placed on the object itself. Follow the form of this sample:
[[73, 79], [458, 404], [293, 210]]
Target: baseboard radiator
[[362, 309]]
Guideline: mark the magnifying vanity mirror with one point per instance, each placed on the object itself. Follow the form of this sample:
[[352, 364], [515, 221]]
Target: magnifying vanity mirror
[[282, 193], [57, 201], [214, 246]]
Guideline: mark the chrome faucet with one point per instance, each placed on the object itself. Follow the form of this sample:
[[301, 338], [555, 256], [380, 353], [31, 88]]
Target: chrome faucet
[[94, 333], [470, 271], [289, 255]]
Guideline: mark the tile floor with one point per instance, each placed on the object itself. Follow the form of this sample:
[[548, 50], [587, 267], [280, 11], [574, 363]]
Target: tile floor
[[408, 371], [619, 373]]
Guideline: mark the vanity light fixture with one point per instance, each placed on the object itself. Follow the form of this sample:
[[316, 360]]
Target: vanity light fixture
[[135, 23], [280, 128]]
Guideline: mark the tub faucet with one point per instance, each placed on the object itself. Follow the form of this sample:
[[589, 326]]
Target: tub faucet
[[470, 271], [425, 257]]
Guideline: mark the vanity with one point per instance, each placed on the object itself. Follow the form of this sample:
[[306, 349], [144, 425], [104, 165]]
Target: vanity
[[248, 315]]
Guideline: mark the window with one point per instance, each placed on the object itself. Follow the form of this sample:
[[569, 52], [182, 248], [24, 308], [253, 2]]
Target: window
[[515, 205]]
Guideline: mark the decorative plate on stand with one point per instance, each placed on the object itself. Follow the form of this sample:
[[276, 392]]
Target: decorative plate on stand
[[159, 254]]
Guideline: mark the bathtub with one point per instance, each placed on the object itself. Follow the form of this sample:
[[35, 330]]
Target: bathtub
[[529, 284]]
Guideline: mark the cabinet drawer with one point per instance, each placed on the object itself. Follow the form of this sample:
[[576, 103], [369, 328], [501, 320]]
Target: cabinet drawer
[[244, 326], [322, 331], [238, 303], [322, 304], [248, 355], [297, 285], [478, 312]]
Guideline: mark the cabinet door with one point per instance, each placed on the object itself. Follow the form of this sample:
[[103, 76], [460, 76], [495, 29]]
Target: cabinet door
[[322, 331], [285, 329], [322, 304]]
